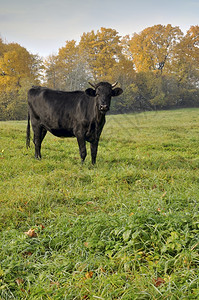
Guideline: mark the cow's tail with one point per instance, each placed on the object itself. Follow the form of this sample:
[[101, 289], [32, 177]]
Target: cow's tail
[[28, 132]]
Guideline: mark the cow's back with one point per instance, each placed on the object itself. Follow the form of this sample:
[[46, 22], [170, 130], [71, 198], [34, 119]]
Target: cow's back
[[54, 103], [53, 98]]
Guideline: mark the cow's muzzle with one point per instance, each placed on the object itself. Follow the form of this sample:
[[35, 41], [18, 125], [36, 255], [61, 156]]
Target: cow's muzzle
[[104, 108]]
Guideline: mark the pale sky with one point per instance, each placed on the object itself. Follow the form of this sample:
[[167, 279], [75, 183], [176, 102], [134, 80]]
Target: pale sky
[[43, 26]]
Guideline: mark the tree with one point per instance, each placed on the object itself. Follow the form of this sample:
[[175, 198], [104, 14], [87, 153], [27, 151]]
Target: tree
[[185, 67], [159, 66], [52, 72], [2, 47], [18, 71], [73, 67], [15, 66], [67, 70], [186, 57], [101, 51], [124, 71], [154, 46]]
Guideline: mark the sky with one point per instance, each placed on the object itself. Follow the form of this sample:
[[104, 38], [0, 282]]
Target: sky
[[44, 26]]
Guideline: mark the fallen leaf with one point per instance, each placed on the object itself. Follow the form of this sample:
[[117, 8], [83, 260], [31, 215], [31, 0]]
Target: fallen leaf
[[86, 244], [31, 233], [90, 203], [19, 281], [158, 281], [102, 270], [86, 297], [89, 275], [54, 283], [131, 214], [27, 253], [21, 209], [41, 226]]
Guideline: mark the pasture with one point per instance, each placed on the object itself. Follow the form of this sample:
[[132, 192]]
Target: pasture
[[126, 228]]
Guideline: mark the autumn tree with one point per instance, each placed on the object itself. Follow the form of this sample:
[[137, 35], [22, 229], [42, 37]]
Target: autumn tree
[[186, 57], [168, 62], [2, 47], [67, 70], [159, 67], [97, 57], [15, 66], [123, 71], [101, 51], [185, 67], [18, 71], [73, 66], [52, 72], [154, 46]]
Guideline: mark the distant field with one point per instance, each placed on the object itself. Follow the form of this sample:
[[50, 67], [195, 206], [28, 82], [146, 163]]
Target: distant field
[[126, 228]]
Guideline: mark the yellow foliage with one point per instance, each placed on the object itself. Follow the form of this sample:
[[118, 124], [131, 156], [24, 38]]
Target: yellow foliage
[[102, 51], [15, 65], [154, 46]]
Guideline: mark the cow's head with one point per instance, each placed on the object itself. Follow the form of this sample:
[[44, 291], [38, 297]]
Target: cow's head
[[103, 92]]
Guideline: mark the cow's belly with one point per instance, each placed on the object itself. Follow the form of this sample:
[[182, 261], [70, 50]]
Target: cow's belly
[[62, 132]]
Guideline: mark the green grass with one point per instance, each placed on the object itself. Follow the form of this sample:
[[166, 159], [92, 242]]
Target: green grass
[[126, 228]]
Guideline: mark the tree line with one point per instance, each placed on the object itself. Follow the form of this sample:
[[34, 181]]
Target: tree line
[[157, 68]]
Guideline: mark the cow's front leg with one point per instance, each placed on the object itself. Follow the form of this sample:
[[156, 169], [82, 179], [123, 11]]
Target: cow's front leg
[[94, 147], [82, 148]]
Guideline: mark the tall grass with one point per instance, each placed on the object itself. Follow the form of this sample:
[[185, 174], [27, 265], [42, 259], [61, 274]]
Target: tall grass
[[126, 228]]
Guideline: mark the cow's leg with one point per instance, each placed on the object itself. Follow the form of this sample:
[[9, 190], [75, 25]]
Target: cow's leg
[[39, 134], [37, 142], [94, 147], [43, 134], [82, 148]]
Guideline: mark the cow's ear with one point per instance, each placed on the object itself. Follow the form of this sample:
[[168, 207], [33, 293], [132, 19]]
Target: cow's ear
[[90, 92], [117, 92]]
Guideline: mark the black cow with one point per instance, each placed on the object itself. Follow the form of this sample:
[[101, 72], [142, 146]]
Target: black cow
[[68, 114]]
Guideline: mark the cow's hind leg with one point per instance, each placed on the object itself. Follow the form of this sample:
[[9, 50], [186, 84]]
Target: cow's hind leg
[[43, 133], [39, 134], [82, 148]]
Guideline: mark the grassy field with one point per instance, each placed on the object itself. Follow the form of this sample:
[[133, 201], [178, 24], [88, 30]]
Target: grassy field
[[126, 228]]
